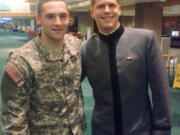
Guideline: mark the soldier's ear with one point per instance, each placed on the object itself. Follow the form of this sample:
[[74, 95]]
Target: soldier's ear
[[38, 19]]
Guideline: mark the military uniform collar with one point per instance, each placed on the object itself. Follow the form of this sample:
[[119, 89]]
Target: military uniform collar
[[50, 53], [67, 52]]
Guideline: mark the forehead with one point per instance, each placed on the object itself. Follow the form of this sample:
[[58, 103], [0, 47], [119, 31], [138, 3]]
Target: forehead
[[54, 7], [105, 1]]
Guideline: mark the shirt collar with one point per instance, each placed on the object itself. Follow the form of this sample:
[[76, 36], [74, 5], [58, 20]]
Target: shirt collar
[[113, 37]]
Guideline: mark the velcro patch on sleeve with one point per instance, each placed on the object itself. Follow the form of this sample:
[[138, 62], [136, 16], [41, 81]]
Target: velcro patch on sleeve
[[14, 73]]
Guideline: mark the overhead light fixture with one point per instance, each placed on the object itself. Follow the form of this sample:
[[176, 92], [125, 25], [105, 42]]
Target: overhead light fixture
[[162, 0]]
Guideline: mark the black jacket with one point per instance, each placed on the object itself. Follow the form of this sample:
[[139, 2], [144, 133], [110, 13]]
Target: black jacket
[[138, 64]]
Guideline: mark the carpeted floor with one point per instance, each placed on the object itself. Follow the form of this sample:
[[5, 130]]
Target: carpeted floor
[[12, 40]]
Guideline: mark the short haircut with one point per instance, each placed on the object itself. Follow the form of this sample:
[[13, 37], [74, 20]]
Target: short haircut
[[93, 2], [41, 2]]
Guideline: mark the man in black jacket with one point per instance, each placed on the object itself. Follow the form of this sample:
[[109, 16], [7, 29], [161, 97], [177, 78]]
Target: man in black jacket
[[120, 63]]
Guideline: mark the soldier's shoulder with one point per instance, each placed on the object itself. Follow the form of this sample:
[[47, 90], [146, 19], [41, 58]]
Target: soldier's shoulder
[[24, 52], [72, 41], [26, 49]]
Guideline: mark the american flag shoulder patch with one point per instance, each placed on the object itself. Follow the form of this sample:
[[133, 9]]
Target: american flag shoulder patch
[[14, 73]]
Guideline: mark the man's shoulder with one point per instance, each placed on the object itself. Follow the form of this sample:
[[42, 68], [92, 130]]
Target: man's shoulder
[[93, 38], [26, 48], [72, 42], [24, 52], [71, 39], [138, 31], [90, 44]]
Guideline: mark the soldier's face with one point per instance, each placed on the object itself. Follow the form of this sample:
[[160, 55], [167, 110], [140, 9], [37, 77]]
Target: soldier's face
[[106, 14], [54, 21]]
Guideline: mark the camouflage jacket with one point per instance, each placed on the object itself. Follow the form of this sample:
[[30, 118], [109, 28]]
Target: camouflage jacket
[[41, 93]]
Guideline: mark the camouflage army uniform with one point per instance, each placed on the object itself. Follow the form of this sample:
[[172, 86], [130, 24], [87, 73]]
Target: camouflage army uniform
[[47, 98]]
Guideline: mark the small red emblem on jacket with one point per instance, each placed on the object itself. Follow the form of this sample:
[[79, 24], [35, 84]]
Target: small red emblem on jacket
[[129, 58]]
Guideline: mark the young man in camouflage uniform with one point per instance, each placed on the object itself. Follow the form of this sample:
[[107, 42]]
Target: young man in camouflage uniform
[[41, 92]]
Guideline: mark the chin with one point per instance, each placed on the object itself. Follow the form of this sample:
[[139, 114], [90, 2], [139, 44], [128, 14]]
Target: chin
[[57, 39], [108, 27]]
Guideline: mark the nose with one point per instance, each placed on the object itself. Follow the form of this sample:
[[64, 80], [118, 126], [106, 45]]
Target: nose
[[107, 9], [58, 21]]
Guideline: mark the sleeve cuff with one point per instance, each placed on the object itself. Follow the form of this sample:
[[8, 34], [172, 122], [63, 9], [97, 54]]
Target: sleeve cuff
[[161, 132]]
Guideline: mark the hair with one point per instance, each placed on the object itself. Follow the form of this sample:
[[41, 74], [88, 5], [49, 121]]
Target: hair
[[93, 2], [41, 2]]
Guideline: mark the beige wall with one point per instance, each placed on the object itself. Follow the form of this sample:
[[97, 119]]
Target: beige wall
[[149, 17], [127, 21], [85, 21]]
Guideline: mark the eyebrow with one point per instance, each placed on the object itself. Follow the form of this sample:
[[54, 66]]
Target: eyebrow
[[61, 13]]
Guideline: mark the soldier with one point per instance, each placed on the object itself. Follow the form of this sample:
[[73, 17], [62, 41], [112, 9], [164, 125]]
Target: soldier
[[40, 89]]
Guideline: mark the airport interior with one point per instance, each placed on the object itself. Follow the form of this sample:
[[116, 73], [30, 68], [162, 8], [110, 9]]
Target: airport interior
[[18, 25]]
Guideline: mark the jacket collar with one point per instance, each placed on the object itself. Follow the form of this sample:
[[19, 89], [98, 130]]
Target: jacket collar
[[50, 54], [113, 37]]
